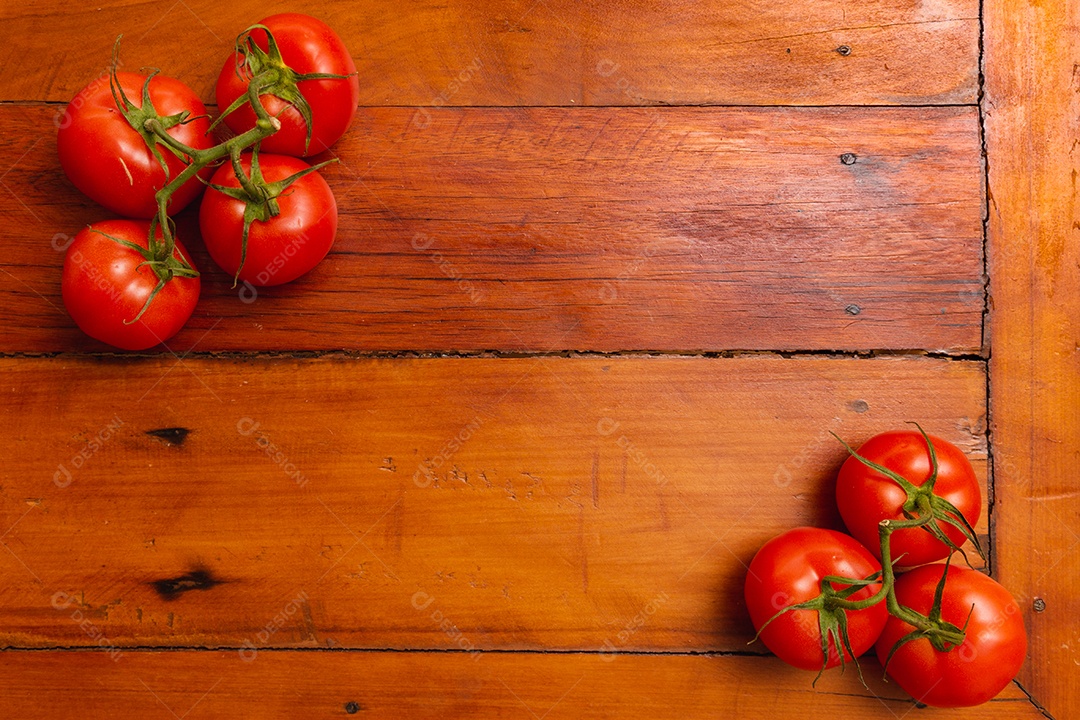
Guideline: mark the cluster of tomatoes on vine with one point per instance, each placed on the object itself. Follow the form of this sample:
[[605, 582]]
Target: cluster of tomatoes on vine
[[143, 146], [950, 636]]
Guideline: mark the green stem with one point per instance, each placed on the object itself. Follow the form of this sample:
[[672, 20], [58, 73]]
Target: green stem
[[265, 126], [888, 574], [241, 176], [887, 591]]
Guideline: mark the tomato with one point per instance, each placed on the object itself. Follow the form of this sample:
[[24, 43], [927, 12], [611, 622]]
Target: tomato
[[866, 497], [281, 248], [788, 570], [973, 672], [104, 288], [307, 45], [110, 162]]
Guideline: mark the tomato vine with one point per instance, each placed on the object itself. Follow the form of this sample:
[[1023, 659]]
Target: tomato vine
[[842, 597], [155, 174]]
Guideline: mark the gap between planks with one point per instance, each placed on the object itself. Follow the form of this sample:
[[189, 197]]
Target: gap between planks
[[493, 354]]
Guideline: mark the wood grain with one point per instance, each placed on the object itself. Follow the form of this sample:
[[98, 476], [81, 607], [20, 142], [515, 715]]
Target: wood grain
[[537, 52], [532, 230], [1032, 112], [445, 685], [535, 503], [516, 182]]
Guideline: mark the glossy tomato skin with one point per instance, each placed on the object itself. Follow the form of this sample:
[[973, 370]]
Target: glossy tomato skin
[[974, 672], [110, 163], [307, 45], [787, 570], [103, 287], [866, 497], [282, 248]]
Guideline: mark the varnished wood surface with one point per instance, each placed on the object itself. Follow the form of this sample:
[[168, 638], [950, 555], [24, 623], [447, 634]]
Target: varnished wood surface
[[536, 52], [536, 503], [1031, 119], [451, 685], [537, 230], [528, 177]]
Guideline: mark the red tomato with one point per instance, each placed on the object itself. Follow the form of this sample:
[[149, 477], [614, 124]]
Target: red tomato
[[973, 672], [111, 163], [866, 497], [104, 288], [788, 570], [281, 248], [307, 45]]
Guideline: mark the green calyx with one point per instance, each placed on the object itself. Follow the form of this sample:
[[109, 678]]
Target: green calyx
[[165, 268], [922, 504], [942, 634], [259, 196], [140, 117], [832, 606], [274, 76]]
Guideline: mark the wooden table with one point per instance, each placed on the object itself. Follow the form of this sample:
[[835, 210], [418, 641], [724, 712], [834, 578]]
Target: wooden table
[[608, 274]]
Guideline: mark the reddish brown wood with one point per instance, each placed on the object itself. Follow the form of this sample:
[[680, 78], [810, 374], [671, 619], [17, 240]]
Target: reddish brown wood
[[595, 228], [538, 503], [582, 229], [537, 52], [1031, 119], [442, 685]]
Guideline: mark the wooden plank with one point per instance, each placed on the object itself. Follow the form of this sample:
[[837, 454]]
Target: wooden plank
[[678, 229], [534, 503], [531, 52], [441, 685], [1031, 109]]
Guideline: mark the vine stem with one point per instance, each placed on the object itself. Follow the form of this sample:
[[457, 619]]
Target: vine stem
[[887, 592], [265, 126]]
